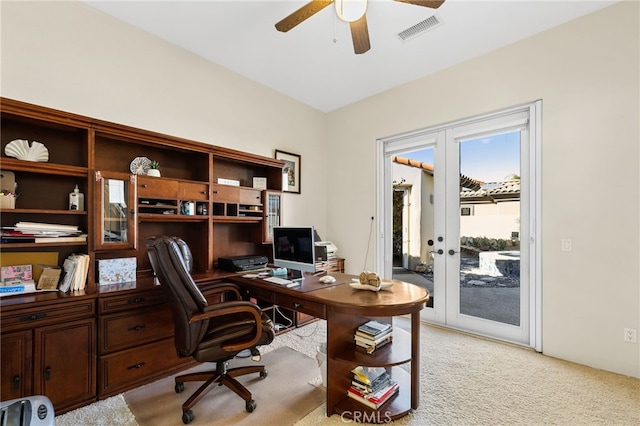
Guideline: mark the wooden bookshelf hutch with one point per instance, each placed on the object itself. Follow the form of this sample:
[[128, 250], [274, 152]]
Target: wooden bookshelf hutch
[[77, 347]]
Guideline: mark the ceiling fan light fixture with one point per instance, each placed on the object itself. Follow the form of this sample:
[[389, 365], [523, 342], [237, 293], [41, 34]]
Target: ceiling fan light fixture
[[350, 10]]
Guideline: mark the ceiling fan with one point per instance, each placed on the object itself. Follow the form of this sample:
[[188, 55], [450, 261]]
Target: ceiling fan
[[351, 11]]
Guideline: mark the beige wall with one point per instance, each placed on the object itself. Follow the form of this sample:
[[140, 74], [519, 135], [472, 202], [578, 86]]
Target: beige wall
[[68, 56], [586, 73]]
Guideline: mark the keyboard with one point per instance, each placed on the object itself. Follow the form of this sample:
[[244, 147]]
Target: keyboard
[[279, 281]]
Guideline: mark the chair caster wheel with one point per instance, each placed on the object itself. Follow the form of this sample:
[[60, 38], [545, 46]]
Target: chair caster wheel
[[187, 417], [264, 373], [251, 405], [179, 387]]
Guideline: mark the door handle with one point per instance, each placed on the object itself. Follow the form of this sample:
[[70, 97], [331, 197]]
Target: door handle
[[452, 252], [439, 251]]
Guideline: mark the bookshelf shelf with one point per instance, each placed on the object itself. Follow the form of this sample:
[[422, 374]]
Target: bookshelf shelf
[[396, 353]]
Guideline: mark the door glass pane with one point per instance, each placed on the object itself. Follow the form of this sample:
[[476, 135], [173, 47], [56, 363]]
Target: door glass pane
[[490, 228], [413, 218], [115, 217]]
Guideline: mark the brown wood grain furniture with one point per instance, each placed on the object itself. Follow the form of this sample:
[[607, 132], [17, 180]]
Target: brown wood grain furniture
[[345, 309], [118, 334], [82, 346]]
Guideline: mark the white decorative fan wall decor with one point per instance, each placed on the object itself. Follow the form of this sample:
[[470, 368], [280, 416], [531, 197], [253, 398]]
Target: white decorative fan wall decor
[[140, 165], [20, 149]]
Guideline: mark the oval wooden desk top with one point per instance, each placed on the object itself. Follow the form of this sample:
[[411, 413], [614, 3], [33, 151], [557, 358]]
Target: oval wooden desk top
[[399, 299]]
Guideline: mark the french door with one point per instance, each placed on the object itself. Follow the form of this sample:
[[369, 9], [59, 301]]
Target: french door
[[477, 225]]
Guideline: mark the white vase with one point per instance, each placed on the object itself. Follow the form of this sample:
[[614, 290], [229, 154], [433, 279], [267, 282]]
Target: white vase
[[153, 172]]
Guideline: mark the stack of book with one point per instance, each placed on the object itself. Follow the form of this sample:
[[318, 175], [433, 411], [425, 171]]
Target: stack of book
[[371, 386], [373, 335], [75, 270], [35, 232], [16, 279]]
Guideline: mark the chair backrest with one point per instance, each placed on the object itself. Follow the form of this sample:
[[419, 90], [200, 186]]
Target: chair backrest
[[171, 261]]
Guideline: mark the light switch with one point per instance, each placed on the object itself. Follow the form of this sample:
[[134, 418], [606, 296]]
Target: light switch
[[566, 244]]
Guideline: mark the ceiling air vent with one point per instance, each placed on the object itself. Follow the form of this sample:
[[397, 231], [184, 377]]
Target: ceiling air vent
[[419, 28]]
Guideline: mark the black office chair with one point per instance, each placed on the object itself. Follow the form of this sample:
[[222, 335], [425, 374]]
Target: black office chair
[[208, 333]]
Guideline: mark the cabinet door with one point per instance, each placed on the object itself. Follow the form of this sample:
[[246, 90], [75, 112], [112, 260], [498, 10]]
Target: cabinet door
[[15, 365], [272, 214], [65, 363], [115, 195]]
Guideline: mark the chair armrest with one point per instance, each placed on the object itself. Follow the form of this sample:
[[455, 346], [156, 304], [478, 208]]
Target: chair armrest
[[223, 288], [229, 308]]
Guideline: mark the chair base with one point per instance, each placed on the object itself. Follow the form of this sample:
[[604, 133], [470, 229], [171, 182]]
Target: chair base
[[222, 375]]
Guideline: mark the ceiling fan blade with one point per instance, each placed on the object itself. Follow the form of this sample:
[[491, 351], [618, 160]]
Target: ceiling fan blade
[[360, 35], [433, 4], [302, 14]]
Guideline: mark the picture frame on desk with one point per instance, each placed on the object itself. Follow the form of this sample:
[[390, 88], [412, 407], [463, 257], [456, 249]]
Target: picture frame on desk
[[290, 172]]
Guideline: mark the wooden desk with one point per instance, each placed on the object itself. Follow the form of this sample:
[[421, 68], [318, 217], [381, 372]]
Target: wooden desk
[[345, 309]]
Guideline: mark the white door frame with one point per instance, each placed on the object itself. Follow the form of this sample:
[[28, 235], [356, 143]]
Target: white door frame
[[387, 147]]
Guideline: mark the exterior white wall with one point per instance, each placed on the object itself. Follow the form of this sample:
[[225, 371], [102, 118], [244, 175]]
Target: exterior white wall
[[68, 56], [491, 220]]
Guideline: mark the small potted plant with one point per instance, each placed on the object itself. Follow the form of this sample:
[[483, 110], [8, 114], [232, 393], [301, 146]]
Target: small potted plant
[[154, 169]]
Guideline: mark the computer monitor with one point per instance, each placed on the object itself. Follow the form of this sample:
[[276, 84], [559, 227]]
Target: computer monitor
[[294, 248]]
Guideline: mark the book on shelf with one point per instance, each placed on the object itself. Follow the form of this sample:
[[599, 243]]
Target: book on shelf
[[45, 226], [373, 335], [74, 272], [373, 328], [23, 287], [367, 375], [49, 277], [379, 383], [68, 270], [62, 239], [371, 346], [374, 400]]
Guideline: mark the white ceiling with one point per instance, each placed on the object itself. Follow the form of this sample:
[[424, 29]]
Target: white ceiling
[[314, 62]]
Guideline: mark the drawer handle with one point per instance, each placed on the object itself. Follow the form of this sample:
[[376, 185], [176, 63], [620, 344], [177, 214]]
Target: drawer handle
[[16, 381], [135, 366], [144, 185], [47, 372], [297, 305], [136, 300], [34, 317], [215, 192], [137, 328]]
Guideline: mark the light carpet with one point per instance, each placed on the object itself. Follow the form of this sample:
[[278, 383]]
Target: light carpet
[[465, 380], [283, 397]]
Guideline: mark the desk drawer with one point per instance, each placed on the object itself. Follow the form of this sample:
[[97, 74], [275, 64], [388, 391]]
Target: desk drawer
[[41, 315], [127, 368], [257, 293], [311, 308], [128, 329], [131, 301]]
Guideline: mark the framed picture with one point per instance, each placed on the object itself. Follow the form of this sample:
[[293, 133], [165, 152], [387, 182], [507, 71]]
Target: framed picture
[[290, 172]]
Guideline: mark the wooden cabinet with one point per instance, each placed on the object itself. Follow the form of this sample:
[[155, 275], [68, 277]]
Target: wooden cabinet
[[15, 369], [50, 350], [128, 340], [65, 363], [135, 341]]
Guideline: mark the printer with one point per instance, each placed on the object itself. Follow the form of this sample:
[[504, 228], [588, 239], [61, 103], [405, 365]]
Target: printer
[[242, 263], [325, 251]]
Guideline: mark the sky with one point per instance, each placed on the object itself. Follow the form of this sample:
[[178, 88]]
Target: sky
[[489, 159]]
